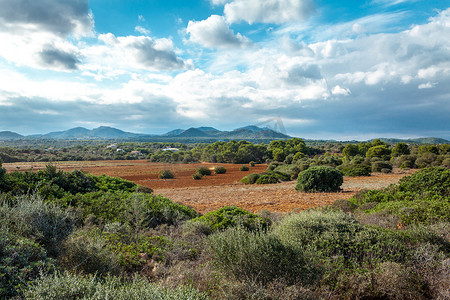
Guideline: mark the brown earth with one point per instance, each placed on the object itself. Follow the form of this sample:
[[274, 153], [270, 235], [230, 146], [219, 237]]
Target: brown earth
[[218, 190]]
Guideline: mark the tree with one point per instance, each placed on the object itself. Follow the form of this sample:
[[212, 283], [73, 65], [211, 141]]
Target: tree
[[400, 149], [350, 150], [378, 151]]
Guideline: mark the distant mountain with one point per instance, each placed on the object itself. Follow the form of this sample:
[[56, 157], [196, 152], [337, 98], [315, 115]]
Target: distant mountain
[[105, 132], [173, 132], [76, 132], [193, 132], [102, 132], [252, 128], [253, 133], [9, 135], [210, 130]]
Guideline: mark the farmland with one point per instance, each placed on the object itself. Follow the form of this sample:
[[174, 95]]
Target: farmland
[[218, 190]]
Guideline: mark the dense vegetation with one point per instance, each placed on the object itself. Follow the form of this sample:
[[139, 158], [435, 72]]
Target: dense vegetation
[[78, 236]]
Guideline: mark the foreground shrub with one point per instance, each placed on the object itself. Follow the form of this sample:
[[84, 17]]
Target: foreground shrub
[[88, 254], [203, 171], [435, 180], [71, 286], [137, 209], [255, 256], [220, 170], [319, 179], [29, 216], [251, 178], [266, 179], [21, 261], [165, 174], [230, 216]]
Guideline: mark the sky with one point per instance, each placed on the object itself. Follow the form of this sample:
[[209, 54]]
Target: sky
[[329, 69]]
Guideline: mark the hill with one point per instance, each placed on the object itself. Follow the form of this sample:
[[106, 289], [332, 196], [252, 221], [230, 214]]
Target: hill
[[9, 135]]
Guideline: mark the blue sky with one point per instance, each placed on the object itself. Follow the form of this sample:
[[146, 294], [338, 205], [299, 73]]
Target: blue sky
[[330, 69]]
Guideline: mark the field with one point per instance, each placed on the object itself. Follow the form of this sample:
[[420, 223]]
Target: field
[[216, 191]]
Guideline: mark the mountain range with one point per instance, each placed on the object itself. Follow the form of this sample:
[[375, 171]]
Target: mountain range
[[108, 133], [207, 134]]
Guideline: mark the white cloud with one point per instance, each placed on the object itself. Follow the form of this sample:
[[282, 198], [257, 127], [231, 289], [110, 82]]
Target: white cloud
[[54, 16], [337, 90], [268, 11], [132, 52], [142, 30], [427, 85], [214, 33]]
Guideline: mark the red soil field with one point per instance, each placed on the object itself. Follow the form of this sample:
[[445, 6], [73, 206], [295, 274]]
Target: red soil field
[[218, 190]]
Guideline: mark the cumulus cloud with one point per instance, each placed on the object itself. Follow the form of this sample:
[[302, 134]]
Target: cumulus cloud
[[57, 58], [214, 32], [268, 11], [139, 52], [61, 17]]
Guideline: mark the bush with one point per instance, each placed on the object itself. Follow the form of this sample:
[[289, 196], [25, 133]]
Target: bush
[[21, 261], [255, 256], [165, 174], [45, 223], [197, 176], [251, 178], [137, 209], [230, 216], [266, 179], [377, 166], [244, 168], [88, 254], [319, 179], [435, 180], [204, 171], [72, 286], [355, 170], [220, 170], [252, 164]]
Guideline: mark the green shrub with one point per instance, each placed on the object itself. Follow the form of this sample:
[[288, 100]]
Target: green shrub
[[272, 166], [230, 216], [29, 216], [251, 178], [244, 168], [266, 179], [377, 166], [435, 180], [137, 209], [197, 176], [328, 233], [220, 170], [252, 164], [355, 170], [165, 174], [203, 171], [88, 254], [255, 256], [319, 179], [144, 189], [278, 175], [72, 286], [21, 261]]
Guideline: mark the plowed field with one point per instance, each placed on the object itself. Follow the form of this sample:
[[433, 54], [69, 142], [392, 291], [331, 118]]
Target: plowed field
[[216, 191]]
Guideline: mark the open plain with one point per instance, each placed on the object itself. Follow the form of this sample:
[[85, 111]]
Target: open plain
[[218, 190]]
